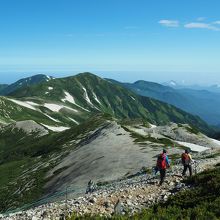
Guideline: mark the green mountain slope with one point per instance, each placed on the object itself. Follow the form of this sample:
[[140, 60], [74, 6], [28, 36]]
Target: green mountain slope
[[2, 86], [6, 89], [85, 94], [198, 102], [13, 110], [26, 157]]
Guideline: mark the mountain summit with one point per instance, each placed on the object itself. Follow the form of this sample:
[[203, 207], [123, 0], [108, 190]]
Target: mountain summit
[[78, 97], [171, 83], [33, 80]]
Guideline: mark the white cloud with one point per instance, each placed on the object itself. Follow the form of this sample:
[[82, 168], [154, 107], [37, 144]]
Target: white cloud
[[200, 25], [216, 22], [200, 18], [169, 23]]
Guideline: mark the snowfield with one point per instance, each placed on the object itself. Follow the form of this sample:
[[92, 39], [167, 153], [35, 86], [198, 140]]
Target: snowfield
[[53, 107], [96, 98], [56, 129], [88, 99], [152, 126], [68, 98], [193, 147], [86, 96], [53, 119], [24, 104], [74, 121], [32, 103], [215, 141], [71, 99], [57, 108]]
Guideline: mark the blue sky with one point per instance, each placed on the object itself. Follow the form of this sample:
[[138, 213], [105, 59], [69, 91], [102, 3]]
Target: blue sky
[[127, 39]]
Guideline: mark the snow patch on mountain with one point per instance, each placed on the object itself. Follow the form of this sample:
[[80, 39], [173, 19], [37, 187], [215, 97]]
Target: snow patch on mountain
[[71, 99], [86, 96], [74, 120], [96, 98], [53, 107], [173, 83], [152, 126], [88, 99], [32, 103], [56, 129], [215, 141], [53, 119], [57, 108], [132, 98], [68, 98], [193, 147], [22, 103], [72, 109], [48, 78]]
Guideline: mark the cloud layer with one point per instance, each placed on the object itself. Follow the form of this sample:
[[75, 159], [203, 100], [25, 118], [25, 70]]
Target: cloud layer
[[201, 26], [169, 23], [192, 25]]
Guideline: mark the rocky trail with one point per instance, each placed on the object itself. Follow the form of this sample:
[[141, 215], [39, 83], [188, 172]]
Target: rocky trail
[[128, 195]]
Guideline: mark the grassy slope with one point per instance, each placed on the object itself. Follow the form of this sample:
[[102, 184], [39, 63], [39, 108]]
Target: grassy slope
[[36, 79], [10, 111], [21, 154]]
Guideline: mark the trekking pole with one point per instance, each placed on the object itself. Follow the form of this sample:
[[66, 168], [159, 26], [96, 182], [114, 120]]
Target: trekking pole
[[66, 200], [195, 167]]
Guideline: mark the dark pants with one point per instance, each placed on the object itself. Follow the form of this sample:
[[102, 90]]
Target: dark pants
[[185, 169], [162, 176]]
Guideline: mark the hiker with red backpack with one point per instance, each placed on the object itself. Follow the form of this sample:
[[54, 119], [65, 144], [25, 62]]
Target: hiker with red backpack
[[162, 164], [187, 162]]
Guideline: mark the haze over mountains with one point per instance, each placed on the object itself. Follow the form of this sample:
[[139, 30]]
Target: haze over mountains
[[60, 132], [175, 85], [201, 101]]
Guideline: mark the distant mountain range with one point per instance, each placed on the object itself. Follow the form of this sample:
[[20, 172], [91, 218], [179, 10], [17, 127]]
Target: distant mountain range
[[175, 85], [2, 87], [198, 102]]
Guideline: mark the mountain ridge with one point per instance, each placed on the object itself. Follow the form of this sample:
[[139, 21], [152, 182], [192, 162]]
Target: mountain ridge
[[32, 80], [87, 92], [198, 102]]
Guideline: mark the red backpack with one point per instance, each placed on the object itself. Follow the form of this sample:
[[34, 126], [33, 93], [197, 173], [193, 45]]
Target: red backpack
[[161, 161], [185, 159]]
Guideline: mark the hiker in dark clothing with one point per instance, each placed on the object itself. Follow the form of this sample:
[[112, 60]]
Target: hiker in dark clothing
[[162, 164], [90, 187], [187, 162]]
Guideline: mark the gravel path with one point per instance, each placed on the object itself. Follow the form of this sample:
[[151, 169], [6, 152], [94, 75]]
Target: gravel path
[[128, 195]]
